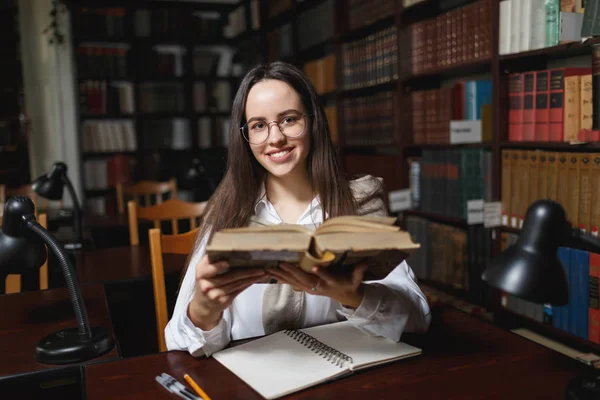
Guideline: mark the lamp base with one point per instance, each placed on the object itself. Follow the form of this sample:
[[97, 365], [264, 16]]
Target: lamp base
[[584, 387], [65, 347]]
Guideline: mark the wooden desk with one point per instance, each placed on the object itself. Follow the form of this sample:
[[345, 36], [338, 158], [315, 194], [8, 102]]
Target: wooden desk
[[25, 318], [117, 264], [463, 358]]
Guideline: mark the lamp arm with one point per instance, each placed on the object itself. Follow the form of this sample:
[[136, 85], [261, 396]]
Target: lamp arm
[[582, 241], [83, 325], [76, 207]]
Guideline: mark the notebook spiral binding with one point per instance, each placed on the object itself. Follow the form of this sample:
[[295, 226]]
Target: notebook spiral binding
[[330, 354]]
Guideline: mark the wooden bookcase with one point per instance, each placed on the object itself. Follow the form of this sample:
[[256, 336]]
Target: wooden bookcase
[[161, 86], [393, 157], [14, 120]]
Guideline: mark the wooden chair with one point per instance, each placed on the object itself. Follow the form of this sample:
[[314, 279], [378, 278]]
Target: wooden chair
[[173, 210], [145, 190], [26, 190], [160, 244], [13, 281]]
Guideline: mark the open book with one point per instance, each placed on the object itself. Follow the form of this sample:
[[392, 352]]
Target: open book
[[338, 242], [291, 360]]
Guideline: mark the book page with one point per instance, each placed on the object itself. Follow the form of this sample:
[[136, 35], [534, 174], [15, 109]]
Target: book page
[[366, 351], [340, 242], [277, 365]]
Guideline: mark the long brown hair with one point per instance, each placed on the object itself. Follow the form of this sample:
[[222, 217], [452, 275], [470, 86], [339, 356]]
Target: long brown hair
[[232, 204]]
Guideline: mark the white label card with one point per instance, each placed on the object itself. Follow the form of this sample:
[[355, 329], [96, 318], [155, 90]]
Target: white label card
[[474, 212], [465, 131], [492, 214], [400, 200]]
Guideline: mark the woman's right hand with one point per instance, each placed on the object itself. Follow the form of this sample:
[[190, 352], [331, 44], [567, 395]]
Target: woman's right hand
[[214, 292]]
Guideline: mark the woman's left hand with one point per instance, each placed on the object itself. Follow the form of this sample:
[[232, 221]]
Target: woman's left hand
[[347, 289]]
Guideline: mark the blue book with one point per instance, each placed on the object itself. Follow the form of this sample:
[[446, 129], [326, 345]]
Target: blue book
[[560, 314], [477, 94], [582, 293]]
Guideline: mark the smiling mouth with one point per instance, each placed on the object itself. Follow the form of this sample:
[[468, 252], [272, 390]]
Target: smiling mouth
[[280, 154]]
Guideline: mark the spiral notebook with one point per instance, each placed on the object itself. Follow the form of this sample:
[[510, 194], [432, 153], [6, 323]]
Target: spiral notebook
[[292, 360]]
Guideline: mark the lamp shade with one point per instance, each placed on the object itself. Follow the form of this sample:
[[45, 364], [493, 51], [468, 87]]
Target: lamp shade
[[530, 269], [20, 249], [51, 185]]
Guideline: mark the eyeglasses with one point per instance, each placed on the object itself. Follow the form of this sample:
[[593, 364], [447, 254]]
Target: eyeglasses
[[291, 126]]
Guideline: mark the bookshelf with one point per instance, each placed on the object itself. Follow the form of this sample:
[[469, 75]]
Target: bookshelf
[[14, 120], [393, 156], [155, 84]]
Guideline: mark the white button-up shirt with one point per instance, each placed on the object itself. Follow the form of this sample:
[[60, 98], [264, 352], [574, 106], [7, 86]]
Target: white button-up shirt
[[390, 306]]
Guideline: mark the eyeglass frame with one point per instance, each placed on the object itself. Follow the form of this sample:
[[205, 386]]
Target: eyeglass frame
[[269, 129]]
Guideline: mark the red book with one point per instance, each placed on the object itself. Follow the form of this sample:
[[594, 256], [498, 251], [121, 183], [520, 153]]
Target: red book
[[458, 101], [557, 99], [529, 106], [542, 111], [515, 107]]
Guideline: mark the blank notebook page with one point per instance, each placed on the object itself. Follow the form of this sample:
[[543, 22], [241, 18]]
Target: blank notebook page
[[366, 351], [277, 365]]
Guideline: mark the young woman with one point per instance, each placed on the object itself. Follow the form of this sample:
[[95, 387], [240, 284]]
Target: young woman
[[282, 168]]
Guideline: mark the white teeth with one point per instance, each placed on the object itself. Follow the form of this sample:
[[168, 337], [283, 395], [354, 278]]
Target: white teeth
[[279, 154]]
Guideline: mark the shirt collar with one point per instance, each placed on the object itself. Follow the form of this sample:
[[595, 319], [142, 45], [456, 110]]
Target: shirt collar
[[315, 205]]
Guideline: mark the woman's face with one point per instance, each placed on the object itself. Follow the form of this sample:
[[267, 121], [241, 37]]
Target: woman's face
[[280, 153]]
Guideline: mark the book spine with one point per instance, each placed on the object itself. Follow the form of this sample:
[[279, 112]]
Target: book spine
[[541, 106], [571, 108], [515, 108], [528, 107], [586, 107], [594, 303], [557, 109], [596, 86]]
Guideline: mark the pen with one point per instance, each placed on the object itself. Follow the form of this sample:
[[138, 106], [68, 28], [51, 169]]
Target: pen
[[197, 388], [181, 390], [173, 386]]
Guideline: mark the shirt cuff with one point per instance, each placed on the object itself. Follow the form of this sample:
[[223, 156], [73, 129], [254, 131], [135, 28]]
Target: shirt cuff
[[369, 306], [203, 342]]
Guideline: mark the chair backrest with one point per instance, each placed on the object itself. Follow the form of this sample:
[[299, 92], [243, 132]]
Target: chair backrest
[[160, 244], [13, 281], [27, 190], [146, 190], [171, 210]]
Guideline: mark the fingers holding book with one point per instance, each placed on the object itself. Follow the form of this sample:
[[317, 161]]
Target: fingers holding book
[[346, 288], [215, 291]]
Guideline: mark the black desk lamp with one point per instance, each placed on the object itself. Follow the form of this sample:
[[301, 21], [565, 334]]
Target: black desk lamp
[[22, 241], [530, 269], [51, 186]]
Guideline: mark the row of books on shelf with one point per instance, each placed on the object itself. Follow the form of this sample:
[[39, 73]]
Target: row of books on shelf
[[321, 73], [214, 98], [572, 179], [443, 181], [164, 61], [162, 97], [106, 173], [101, 97], [280, 42], [535, 24], [553, 105], [369, 120], [371, 60], [102, 60], [108, 136], [172, 23], [237, 19], [103, 22], [459, 36], [581, 316], [361, 13], [451, 256], [321, 16], [433, 110]]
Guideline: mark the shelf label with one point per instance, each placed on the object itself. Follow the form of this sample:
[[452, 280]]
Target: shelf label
[[400, 200], [474, 212], [492, 214], [465, 131]]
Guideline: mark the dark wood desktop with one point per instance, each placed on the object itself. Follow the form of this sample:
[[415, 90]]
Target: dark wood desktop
[[121, 264], [463, 358], [29, 316]]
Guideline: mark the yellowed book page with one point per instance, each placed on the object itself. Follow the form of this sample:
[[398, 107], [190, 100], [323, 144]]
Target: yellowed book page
[[360, 219]]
